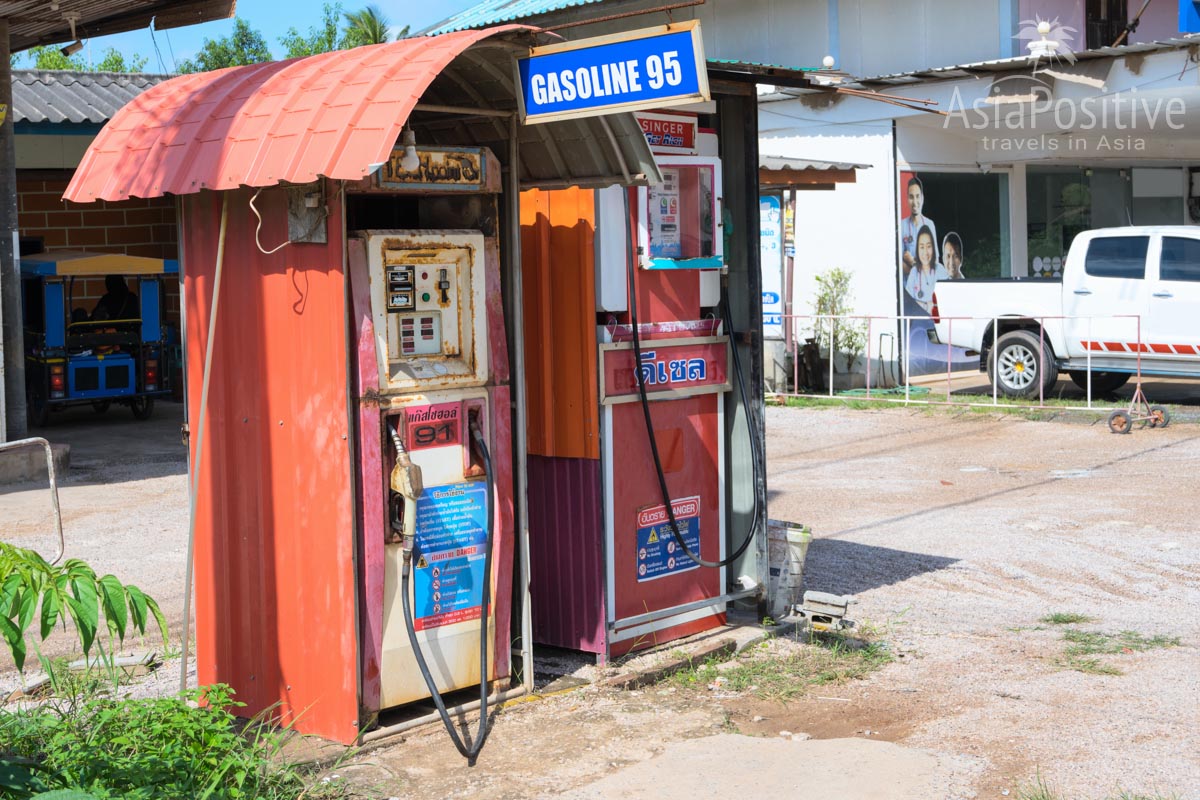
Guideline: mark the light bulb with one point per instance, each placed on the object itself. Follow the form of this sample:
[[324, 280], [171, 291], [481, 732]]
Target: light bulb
[[409, 162], [1043, 28], [828, 62]]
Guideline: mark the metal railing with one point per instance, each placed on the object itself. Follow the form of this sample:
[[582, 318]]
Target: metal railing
[[20, 444], [894, 369]]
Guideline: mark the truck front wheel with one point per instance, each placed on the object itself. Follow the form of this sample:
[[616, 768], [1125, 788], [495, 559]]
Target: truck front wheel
[[1022, 365]]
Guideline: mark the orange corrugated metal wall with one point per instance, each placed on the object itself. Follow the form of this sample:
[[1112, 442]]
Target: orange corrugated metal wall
[[558, 263], [275, 588]]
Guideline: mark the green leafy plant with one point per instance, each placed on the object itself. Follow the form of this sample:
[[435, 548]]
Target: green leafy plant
[[31, 588], [191, 746], [847, 337], [1066, 618]]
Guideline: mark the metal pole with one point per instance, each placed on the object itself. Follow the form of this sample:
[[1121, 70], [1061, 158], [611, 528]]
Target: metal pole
[[517, 320], [12, 370]]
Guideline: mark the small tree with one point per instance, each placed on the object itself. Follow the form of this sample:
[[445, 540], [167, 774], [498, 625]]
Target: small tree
[[368, 26], [244, 46], [848, 337], [321, 39]]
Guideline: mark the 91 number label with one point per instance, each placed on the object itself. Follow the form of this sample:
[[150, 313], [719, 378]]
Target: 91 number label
[[433, 434]]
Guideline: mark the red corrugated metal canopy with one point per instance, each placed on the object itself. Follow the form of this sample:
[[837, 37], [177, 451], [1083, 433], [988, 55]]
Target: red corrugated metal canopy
[[338, 115], [335, 114]]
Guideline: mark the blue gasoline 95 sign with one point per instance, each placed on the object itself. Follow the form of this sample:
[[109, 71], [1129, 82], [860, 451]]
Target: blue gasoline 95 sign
[[649, 68]]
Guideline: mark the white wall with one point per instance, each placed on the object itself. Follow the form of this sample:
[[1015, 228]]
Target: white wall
[[879, 37], [853, 226]]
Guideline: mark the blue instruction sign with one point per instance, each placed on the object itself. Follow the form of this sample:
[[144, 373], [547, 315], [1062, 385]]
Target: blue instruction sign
[[449, 554], [648, 68], [658, 554]]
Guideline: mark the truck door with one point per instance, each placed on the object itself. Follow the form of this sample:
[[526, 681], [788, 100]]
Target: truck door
[[1105, 292], [1170, 328]]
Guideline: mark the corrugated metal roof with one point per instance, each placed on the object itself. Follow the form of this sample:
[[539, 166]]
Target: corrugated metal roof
[[493, 12], [801, 164], [339, 115], [1020, 62], [34, 22], [78, 97]]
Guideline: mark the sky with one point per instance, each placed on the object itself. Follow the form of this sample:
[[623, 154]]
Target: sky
[[271, 17]]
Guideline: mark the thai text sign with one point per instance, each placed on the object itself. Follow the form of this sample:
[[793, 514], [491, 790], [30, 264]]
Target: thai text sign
[[456, 169], [688, 365], [648, 68]]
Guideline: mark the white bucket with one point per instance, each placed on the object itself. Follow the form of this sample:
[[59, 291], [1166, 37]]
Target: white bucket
[[787, 548]]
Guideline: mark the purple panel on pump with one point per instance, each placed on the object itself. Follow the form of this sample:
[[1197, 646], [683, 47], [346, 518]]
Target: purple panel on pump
[[566, 552]]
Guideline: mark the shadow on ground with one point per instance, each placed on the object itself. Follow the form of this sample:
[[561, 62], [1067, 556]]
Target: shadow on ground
[[842, 567], [114, 447]]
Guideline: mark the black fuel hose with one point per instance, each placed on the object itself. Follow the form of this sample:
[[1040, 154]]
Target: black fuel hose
[[470, 753], [751, 427]]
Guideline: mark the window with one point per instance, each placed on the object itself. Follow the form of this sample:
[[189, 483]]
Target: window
[[1117, 257], [1106, 20], [1180, 259]]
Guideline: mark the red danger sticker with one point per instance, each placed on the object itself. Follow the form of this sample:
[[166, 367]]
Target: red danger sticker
[[656, 515], [438, 425]]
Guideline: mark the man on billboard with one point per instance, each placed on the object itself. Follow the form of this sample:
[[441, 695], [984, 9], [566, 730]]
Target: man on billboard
[[911, 225]]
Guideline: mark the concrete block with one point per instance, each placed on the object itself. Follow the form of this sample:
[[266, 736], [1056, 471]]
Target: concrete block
[[29, 463]]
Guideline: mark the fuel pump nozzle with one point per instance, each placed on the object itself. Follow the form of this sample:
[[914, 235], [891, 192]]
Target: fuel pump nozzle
[[406, 481]]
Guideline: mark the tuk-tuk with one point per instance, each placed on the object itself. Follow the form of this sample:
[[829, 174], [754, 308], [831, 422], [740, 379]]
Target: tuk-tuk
[[112, 352]]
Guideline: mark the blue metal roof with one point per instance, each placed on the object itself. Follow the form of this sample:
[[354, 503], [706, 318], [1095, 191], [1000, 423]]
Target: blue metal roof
[[494, 12]]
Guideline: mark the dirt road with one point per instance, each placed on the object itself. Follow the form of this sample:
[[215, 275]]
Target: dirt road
[[958, 534]]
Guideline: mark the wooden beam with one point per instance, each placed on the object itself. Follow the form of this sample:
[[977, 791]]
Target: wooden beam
[[801, 178]]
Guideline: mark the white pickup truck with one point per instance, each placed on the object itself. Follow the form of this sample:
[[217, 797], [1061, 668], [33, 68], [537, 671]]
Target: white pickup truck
[[1123, 292]]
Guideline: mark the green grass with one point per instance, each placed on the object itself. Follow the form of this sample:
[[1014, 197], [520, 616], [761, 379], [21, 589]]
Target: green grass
[[1083, 643], [1066, 618], [1040, 790], [189, 747], [823, 659], [1084, 648]]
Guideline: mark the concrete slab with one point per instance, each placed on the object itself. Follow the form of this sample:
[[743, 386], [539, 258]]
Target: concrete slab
[[29, 463], [846, 769]]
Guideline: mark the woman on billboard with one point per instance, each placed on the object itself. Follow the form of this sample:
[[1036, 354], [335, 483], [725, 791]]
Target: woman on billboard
[[926, 271]]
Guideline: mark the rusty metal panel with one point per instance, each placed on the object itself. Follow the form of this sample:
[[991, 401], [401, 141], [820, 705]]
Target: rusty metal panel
[[558, 260], [566, 553], [371, 478], [334, 114], [275, 573]]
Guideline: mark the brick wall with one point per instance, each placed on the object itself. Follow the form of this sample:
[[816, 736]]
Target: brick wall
[[136, 227]]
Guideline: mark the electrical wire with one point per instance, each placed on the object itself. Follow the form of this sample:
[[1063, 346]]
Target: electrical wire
[[472, 752], [751, 426]]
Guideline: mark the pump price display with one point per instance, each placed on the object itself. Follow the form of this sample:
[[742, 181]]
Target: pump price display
[[449, 553], [648, 68], [658, 554]]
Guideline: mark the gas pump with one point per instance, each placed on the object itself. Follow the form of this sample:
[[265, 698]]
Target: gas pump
[[443, 400], [664, 369]]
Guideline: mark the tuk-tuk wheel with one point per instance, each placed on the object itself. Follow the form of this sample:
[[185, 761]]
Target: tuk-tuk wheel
[[100, 406], [142, 407]]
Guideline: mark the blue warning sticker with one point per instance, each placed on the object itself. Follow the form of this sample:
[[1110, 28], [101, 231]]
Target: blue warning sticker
[[658, 554], [449, 553]]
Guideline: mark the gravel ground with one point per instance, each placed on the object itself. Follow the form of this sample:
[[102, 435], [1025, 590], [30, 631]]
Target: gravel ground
[[956, 532]]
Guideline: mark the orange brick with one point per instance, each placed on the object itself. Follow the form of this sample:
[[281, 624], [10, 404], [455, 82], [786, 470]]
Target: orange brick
[[64, 219], [86, 237], [131, 234], [102, 217], [51, 237], [147, 250], [26, 186], [31, 219], [42, 201], [143, 216], [164, 234]]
